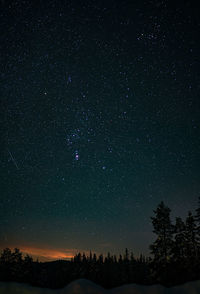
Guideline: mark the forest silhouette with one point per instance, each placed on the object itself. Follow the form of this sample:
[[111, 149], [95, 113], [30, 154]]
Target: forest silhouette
[[175, 259]]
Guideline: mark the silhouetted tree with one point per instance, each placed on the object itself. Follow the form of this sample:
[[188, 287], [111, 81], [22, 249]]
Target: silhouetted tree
[[28, 268], [16, 268], [197, 218], [6, 261], [100, 259], [6, 256], [94, 258], [90, 257], [126, 256], [84, 258], [132, 258], [191, 236], [120, 258], [179, 247], [163, 228], [17, 255]]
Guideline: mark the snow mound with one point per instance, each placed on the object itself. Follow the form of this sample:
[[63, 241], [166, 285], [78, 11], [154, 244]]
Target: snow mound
[[87, 287], [83, 286]]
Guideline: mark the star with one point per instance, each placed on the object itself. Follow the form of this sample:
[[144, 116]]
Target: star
[[76, 155]]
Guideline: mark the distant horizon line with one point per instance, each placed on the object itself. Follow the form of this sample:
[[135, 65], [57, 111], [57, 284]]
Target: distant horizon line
[[48, 255]]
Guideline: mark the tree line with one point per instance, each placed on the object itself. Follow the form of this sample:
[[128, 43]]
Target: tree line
[[176, 250], [175, 258]]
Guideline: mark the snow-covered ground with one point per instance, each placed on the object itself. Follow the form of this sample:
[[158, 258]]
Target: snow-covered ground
[[87, 287]]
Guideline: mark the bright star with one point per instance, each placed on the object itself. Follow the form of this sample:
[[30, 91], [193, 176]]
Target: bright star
[[76, 155]]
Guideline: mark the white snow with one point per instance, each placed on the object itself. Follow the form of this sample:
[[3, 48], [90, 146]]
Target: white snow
[[87, 287]]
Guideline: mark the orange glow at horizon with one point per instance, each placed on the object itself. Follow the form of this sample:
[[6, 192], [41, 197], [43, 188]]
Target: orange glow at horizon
[[48, 254]]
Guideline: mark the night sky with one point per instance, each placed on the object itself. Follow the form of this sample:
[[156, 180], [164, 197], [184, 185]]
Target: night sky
[[100, 121]]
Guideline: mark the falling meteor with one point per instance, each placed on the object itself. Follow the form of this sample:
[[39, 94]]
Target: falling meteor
[[13, 160]]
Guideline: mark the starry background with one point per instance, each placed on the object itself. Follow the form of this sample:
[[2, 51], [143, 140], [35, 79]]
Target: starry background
[[99, 122]]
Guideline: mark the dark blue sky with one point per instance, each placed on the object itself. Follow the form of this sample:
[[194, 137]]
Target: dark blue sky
[[99, 121]]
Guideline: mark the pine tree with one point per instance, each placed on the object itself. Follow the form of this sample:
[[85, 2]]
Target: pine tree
[[94, 258], [197, 218], [126, 256], [100, 259], [120, 259], [90, 257], [17, 265], [84, 258], [163, 228], [28, 268], [179, 248], [191, 236], [6, 256], [132, 257], [17, 255]]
